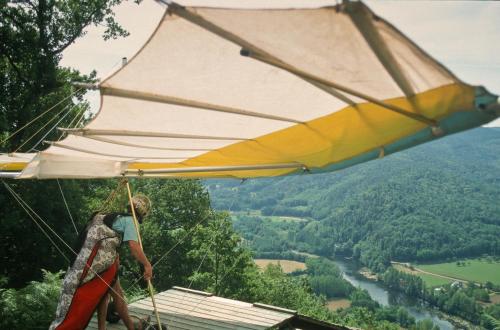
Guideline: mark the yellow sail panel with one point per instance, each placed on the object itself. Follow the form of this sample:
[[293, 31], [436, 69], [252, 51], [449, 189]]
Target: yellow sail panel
[[330, 139]]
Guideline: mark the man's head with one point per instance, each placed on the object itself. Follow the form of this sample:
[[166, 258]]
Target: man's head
[[142, 206]]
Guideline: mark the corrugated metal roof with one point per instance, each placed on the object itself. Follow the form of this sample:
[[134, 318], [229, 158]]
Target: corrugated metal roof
[[184, 309]]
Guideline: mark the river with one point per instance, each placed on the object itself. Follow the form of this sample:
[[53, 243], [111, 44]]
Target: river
[[388, 298]]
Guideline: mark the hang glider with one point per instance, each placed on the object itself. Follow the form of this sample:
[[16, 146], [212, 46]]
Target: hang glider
[[246, 91]]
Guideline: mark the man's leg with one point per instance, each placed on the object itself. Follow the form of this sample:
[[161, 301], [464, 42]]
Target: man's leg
[[101, 312], [121, 305]]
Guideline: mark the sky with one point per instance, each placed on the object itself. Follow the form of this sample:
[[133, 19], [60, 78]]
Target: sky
[[462, 35]]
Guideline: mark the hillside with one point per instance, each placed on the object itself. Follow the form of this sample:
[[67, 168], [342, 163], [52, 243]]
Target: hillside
[[435, 201]]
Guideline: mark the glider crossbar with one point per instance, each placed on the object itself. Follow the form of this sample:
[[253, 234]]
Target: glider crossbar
[[9, 175], [308, 76], [190, 103], [261, 55], [214, 169], [361, 17], [87, 131]]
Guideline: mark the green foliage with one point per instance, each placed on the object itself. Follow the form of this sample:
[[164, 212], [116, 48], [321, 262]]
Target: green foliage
[[411, 285], [408, 206], [31, 307], [326, 278], [463, 305], [361, 298], [491, 317], [330, 286], [225, 263], [425, 325], [397, 315], [322, 266]]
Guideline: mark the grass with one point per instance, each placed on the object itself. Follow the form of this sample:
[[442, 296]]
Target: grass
[[430, 280], [475, 270], [288, 266], [433, 281]]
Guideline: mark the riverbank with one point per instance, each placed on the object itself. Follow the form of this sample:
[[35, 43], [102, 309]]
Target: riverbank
[[446, 320], [385, 297]]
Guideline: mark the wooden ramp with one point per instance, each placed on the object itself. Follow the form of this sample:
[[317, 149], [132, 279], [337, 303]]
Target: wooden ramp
[[185, 309]]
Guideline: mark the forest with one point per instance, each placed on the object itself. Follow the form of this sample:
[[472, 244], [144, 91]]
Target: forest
[[433, 202]]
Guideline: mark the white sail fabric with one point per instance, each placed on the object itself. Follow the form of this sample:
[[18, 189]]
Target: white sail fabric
[[286, 84]]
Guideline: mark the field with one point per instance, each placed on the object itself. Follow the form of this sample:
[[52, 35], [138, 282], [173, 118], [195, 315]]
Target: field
[[430, 280], [433, 281], [475, 270], [288, 266], [338, 303], [272, 218], [495, 298]]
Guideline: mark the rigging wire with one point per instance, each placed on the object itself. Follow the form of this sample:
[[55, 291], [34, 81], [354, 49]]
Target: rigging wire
[[57, 180], [51, 129], [9, 189], [39, 218], [111, 197], [40, 115], [80, 120], [78, 115], [41, 128], [67, 207], [61, 239], [58, 183]]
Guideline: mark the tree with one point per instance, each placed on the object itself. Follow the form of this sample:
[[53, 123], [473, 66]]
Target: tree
[[223, 261], [31, 307], [33, 35]]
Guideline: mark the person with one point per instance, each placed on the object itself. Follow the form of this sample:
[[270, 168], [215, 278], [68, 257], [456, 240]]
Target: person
[[94, 272]]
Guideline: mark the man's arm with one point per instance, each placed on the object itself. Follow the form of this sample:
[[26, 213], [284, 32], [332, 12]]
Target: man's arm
[[138, 254]]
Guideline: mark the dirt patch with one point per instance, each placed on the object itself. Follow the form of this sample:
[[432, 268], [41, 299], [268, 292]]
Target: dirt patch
[[495, 298], [405, 269], [366, 273], [338, 303], [288, 266]]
